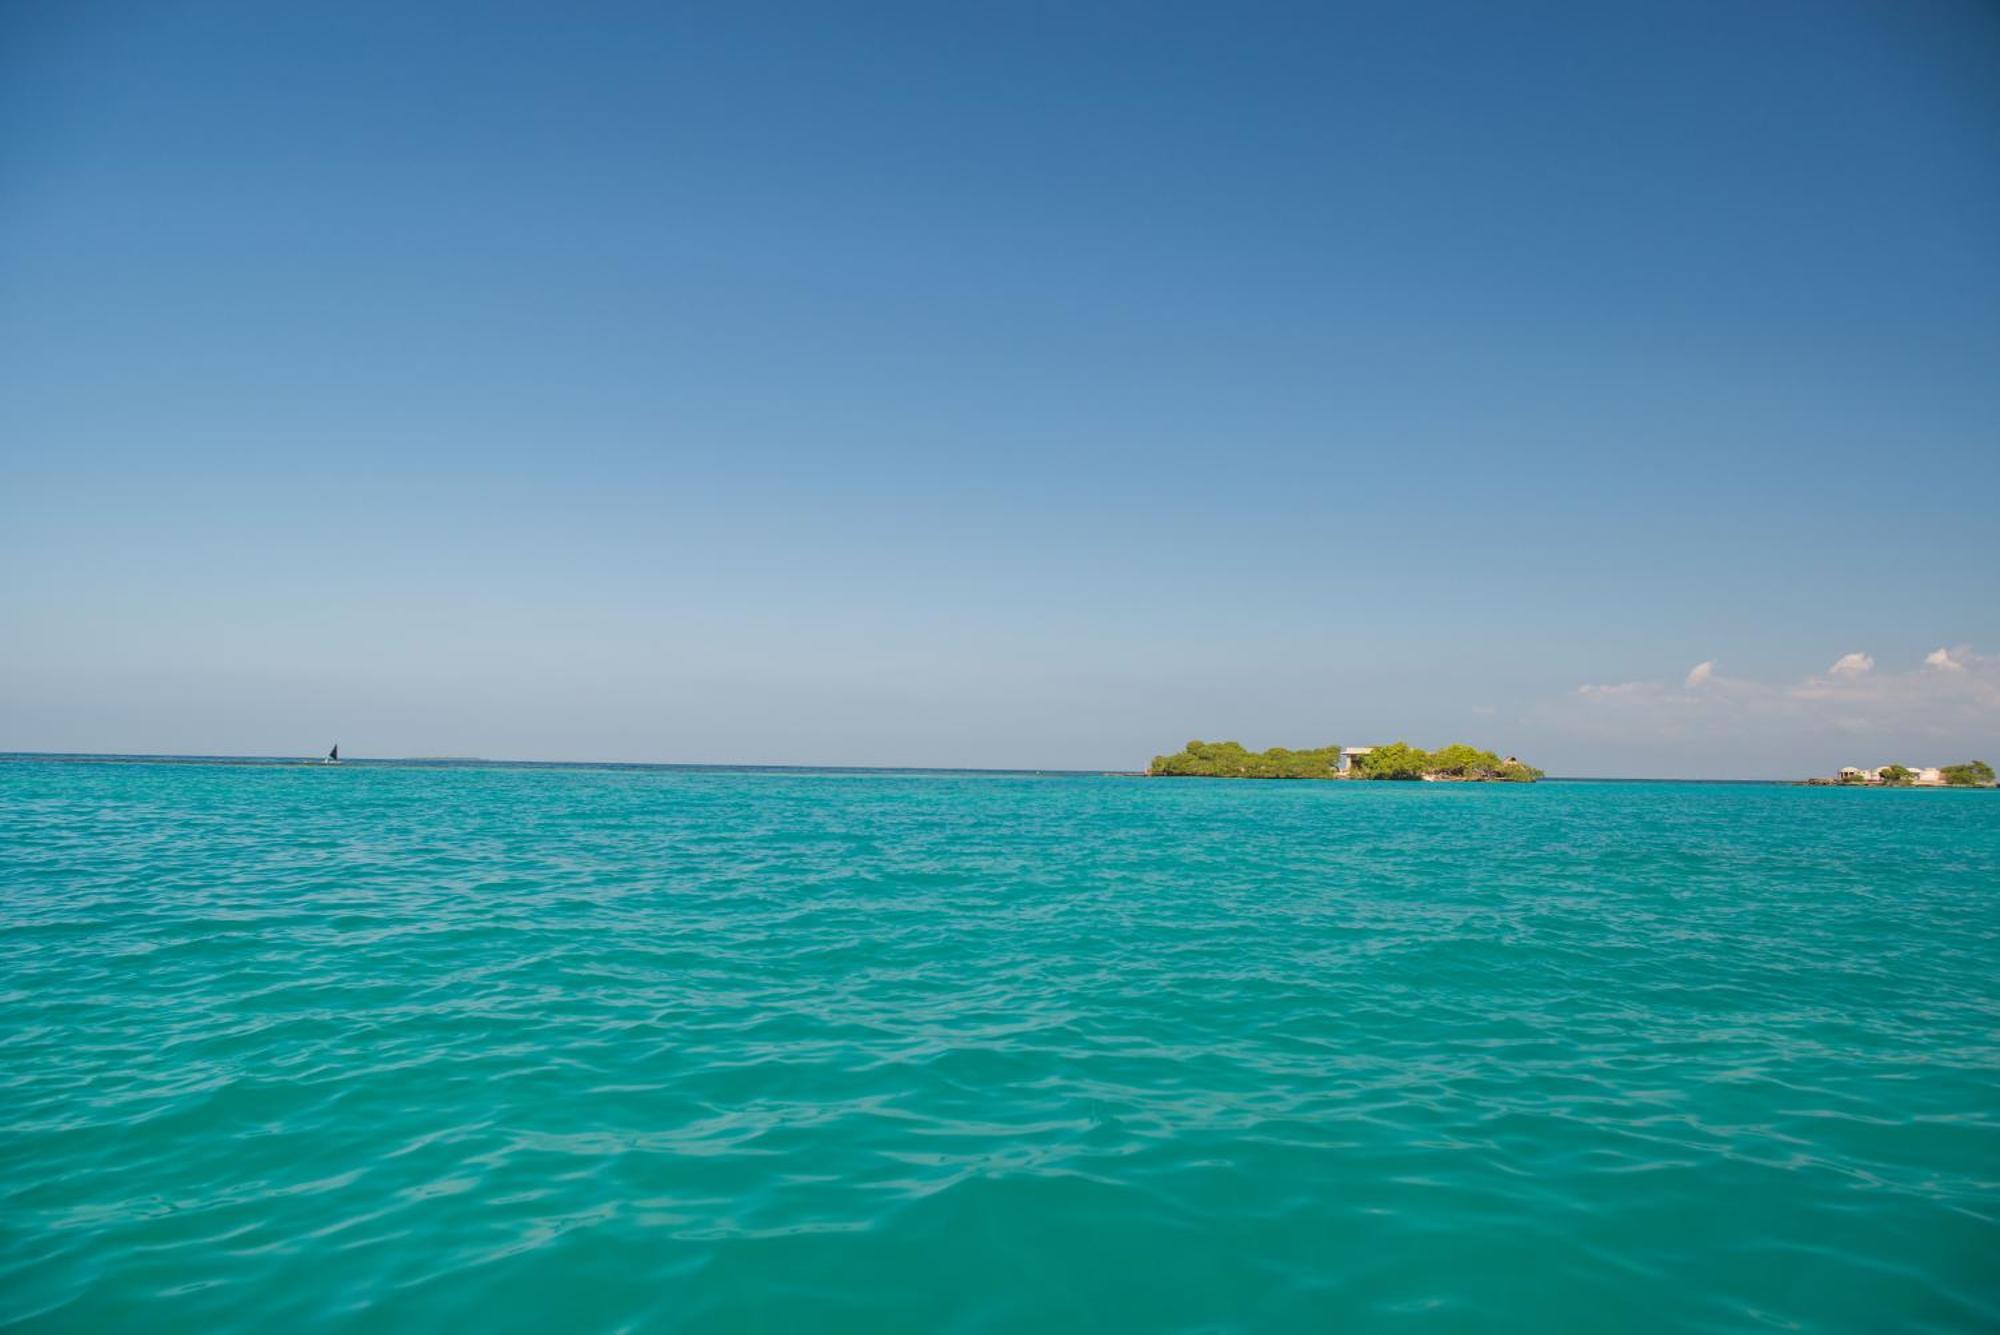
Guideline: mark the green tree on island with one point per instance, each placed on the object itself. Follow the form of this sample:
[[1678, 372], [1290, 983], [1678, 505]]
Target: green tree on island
[[1398, 760], [1229, 760], [1972, 774], [1895, 774]]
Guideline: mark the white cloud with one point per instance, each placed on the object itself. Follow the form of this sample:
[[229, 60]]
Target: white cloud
[[1939, 710], [1614, 688]]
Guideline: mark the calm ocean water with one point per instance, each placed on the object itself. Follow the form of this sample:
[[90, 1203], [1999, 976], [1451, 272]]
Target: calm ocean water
[[594, 1049]]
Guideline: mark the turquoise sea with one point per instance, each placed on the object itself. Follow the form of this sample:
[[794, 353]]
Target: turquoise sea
[[400, 1047]]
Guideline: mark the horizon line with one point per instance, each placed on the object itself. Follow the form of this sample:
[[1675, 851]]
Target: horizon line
[[247, 758]]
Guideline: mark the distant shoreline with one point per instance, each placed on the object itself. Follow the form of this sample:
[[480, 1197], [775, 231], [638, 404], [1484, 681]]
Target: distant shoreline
[[474, 762]]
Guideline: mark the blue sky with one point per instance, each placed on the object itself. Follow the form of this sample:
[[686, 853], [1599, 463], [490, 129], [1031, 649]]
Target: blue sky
[[1001, 385]]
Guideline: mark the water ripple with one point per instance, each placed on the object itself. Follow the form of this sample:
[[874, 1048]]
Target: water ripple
[[622, 1049]]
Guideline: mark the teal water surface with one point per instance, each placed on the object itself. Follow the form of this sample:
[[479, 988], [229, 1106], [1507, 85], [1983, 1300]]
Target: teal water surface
[[399, 1048]]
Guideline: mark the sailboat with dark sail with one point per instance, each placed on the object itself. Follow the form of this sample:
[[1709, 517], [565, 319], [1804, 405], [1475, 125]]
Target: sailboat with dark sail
[[333, 756]]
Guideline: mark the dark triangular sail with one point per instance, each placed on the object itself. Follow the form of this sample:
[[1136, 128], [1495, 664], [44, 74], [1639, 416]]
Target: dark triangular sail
[[335, 753]]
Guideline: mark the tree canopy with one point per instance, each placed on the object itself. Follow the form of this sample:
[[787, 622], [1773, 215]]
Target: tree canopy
[[1972, 774], [1398, 760], [1229, 760]]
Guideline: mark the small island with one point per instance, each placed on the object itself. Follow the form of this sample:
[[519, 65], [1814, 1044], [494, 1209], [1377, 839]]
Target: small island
[[1972, 774], [1398, 760]]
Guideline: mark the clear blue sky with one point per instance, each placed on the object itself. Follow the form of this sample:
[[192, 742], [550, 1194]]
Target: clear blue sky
[[1002, 384]]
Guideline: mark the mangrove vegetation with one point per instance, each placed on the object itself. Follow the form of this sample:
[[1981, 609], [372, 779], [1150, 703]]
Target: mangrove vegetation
[[1458, 763]]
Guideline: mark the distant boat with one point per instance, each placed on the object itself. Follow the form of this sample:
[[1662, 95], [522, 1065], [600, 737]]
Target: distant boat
[[333, 756]]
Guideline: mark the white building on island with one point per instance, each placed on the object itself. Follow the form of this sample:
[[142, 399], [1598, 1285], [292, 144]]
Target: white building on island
[[1348, 755], [1920, 776]]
